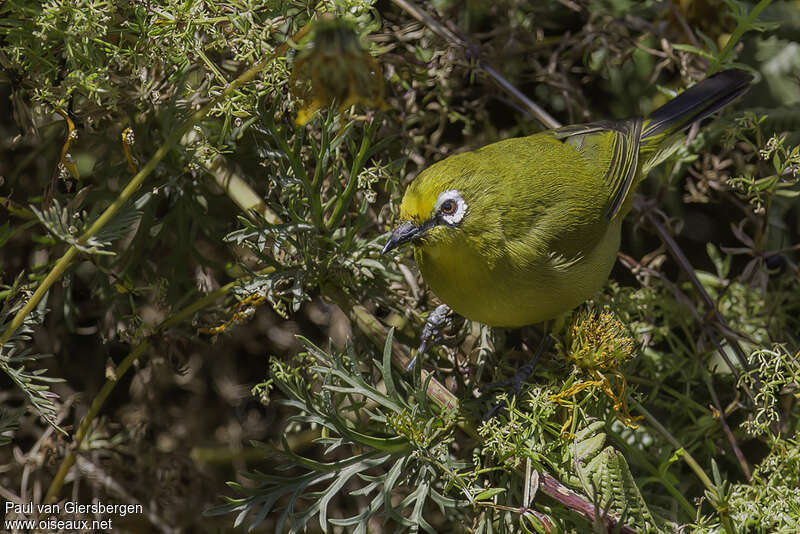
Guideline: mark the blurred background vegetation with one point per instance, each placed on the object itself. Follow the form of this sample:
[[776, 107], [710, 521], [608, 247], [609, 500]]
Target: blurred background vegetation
[[230, 311]]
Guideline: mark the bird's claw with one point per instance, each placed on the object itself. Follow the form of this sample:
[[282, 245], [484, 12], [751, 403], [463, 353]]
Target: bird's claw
[[432, 331], [516, 381]]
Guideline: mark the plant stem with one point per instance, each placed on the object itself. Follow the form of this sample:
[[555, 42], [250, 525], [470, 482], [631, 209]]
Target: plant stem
[[54, 274], [80, 434], [344, 199], [691, 462], [743, 27], [737, 451], [661, 477], [239, 191], [688, 458], [61, 265], [440, 395], [713, 314], [119, 372], [536, 111]]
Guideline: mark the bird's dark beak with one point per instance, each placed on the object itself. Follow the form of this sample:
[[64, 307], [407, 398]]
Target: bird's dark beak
[[408, 231]]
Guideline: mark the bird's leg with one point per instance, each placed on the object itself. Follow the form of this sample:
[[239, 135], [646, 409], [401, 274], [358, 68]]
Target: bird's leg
[[432, 331], [527, 369], [515, 382]]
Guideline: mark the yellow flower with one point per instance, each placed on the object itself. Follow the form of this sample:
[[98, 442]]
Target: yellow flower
[[334, 66], [597, 344]]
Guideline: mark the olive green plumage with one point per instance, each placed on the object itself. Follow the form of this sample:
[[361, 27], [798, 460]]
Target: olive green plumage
[[525, 229]]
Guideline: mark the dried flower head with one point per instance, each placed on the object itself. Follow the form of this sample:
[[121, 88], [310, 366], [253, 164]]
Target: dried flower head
[[334, 66], [597, 345], [599, 342]]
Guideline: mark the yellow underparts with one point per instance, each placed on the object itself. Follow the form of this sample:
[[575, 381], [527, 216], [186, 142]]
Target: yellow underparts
[[502, 295]]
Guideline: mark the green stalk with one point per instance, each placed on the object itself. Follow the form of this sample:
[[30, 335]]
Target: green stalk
[[80, 434], [743, 27], [671, 489], [344, 199], [61, 265], [119, 372], [688, 458], [690, 461], [322, 158]]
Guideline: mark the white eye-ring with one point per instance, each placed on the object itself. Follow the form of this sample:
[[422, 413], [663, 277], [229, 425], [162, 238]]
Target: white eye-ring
[[451, 207]]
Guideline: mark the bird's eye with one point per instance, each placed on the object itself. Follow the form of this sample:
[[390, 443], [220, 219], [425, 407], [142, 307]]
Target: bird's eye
[[448, 207]]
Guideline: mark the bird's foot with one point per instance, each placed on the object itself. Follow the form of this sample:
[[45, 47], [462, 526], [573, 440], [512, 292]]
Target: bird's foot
[[514, 384], [432, 331]]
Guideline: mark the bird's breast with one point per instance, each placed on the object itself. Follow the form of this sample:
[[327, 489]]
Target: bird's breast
[[498, 292]]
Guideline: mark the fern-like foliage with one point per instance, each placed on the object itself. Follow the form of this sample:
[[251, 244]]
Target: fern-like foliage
[[603, 473], [404, 462], [13, 360], [67, 226]]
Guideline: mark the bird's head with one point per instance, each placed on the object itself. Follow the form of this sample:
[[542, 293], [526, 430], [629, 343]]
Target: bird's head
[[437, 207]]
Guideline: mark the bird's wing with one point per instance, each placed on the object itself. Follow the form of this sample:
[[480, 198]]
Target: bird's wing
[[624, 145]]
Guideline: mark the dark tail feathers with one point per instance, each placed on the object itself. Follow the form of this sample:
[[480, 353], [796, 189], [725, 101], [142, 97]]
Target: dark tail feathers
[[696, 103]]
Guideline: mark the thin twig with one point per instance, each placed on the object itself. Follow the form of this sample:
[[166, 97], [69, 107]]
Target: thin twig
[[688, 458], [682, 297], [66, 260], [686, 29], [535, 110], [713, 316], [119, 372], [9, 496], [737, 451], [548, 484]]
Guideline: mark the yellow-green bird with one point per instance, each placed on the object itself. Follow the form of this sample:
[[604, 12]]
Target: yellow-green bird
[[523, 230]]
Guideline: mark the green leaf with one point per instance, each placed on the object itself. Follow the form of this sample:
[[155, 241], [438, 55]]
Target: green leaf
[[692, 49], [488, 494]]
